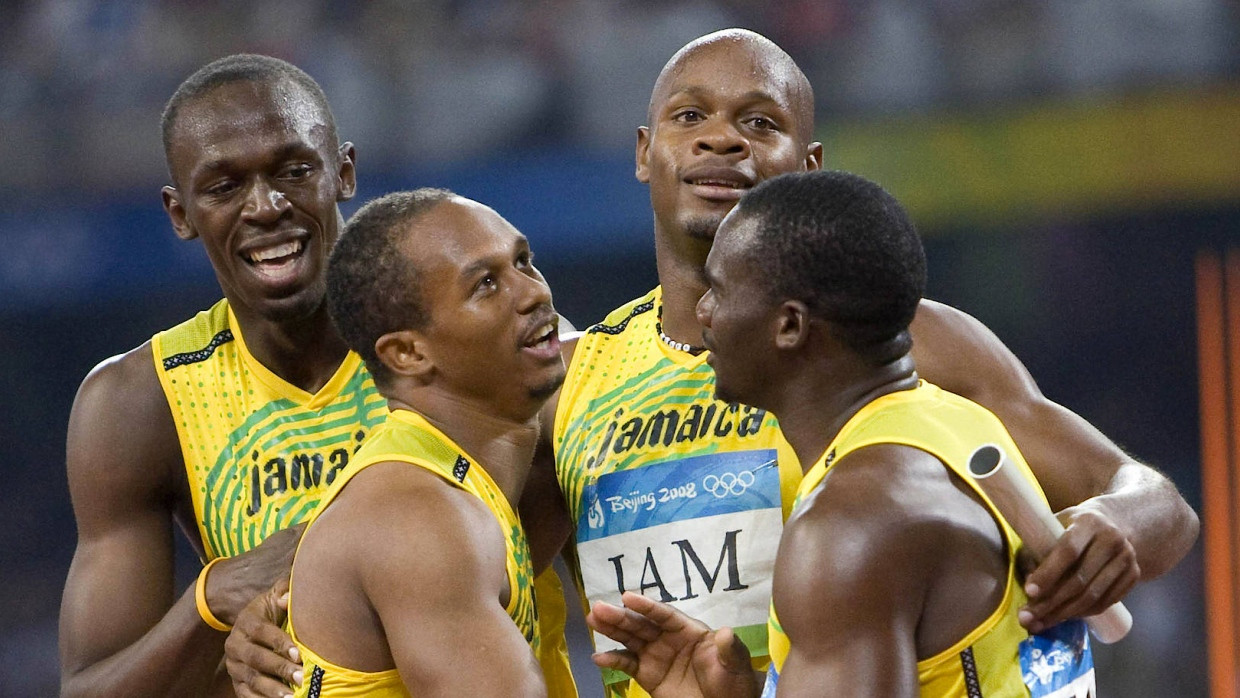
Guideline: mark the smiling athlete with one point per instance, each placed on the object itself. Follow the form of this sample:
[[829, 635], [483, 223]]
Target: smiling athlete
[[232, 423]]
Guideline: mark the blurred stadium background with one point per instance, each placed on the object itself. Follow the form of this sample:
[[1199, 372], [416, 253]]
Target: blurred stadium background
[[1066, 160]]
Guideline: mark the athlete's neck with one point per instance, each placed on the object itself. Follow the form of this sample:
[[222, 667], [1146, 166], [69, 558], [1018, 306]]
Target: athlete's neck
[[815, 406], [503, 446], [683, 280], [306, 352]]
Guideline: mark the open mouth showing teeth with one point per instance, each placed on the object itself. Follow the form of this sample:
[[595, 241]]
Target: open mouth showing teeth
[[542, 335], [718, 183], [276, 253]]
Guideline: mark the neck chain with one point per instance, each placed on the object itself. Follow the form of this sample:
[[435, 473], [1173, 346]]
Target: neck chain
[[678, 346]]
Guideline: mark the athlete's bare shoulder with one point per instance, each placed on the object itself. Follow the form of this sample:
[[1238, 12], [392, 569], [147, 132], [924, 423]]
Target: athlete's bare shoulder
[[120, 424], [957, 352]]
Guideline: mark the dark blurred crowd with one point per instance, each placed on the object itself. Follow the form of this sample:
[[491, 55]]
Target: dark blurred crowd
[[82, 82]]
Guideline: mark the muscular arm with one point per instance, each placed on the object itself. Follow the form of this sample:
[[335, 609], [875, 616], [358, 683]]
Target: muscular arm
[[1129, 519], [434, 574], [124, 628], [850, 581]]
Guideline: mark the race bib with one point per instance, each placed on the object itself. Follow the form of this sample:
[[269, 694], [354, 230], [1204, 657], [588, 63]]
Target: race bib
[[1058, 662], [700, 533]]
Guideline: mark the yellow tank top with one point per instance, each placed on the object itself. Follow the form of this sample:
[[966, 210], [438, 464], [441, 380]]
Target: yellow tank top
[[998, 658], [407, 437], [259, 452], [673, 494]]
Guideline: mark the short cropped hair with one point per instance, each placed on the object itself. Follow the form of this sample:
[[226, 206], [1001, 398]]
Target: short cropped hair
[[243, 67], [847, 249], [372, 288]]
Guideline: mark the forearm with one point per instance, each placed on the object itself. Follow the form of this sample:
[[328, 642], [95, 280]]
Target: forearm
[[180, 655], [1081, 469], [1161, 526]]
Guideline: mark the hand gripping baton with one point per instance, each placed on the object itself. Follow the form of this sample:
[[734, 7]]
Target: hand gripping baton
[[1036, 524]]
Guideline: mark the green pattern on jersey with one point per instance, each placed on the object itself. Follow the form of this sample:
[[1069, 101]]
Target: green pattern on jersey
[[258, 451], [282, 426]]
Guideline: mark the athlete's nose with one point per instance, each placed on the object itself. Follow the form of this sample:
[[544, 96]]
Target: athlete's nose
[[705, 308], [534, 292], [264, 204], [722, 137]]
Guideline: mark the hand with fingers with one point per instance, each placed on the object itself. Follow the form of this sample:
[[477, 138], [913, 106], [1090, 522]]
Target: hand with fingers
[[672, 655], [1092, 566], [260, 657]]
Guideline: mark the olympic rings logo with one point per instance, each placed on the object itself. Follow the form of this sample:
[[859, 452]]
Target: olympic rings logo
[[733, 484]]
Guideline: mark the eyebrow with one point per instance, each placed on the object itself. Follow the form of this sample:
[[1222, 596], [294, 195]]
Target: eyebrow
[[478, 266], [474, 268], [283, 153], [701, 93]]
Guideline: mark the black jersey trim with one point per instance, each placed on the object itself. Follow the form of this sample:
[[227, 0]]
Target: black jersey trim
[[316, 683], [193, 357], [619, 327], [460, 468], [972, 686]]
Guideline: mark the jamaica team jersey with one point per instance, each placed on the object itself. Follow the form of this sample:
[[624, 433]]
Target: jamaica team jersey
[[998, 658], [406, 437], [258, 451], [674, 494]]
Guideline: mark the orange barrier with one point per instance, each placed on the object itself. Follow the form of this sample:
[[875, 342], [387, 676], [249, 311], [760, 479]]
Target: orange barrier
[[1218, 346]]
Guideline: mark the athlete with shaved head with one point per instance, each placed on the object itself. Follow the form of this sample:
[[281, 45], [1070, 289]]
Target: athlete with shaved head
[[679, 496]]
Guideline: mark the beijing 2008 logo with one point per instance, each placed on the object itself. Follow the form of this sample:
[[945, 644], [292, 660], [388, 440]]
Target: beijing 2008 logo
[[728, 484]]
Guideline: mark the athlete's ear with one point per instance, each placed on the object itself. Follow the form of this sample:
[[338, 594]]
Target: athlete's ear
[[643, 153], [402, 352], [347, 172], [176, 213], [813, 157], [792, 325]]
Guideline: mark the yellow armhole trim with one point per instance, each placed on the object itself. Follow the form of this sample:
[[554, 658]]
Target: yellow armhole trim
[[157, 349], [977, 633]]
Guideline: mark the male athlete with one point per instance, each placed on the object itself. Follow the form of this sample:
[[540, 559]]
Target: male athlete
[[680, 496], [231, 424], [895, 576], [414, 575]]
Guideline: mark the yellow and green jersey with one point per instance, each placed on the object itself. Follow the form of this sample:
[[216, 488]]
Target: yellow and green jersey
[[259, 452], [406, 437], [997, 658], [673, 494]]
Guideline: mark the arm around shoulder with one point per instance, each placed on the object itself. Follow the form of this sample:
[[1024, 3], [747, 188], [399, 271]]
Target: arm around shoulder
[[1079, 468]]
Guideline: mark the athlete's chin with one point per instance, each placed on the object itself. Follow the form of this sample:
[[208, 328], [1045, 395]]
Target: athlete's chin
[[543, 391], [703, 227], [301, 306]]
